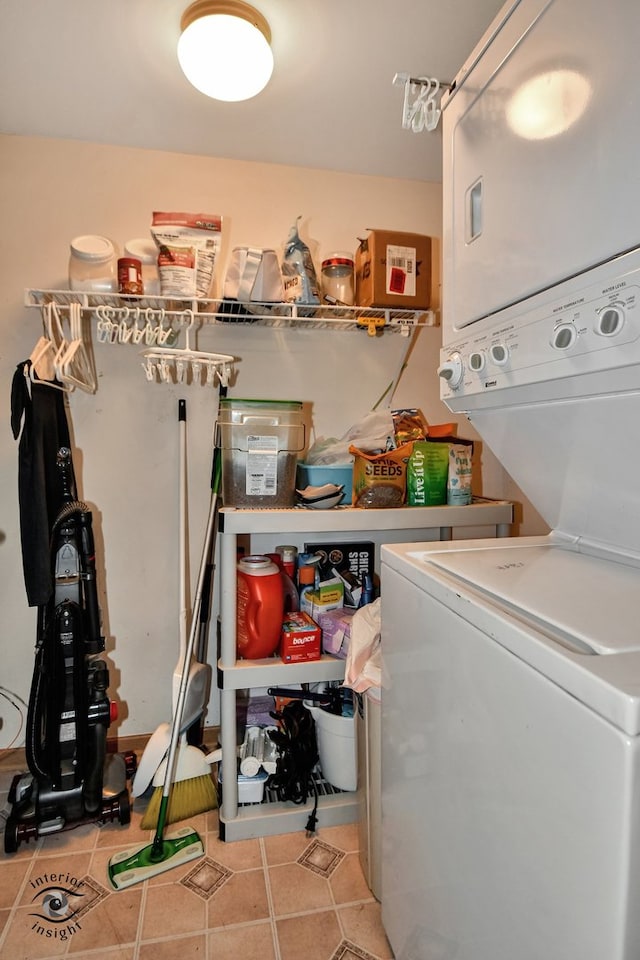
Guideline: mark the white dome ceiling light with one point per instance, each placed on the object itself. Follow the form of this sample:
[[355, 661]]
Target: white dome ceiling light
[[225, 49]]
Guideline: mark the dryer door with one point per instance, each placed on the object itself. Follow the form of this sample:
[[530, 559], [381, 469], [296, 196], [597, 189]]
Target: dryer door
[[541, 155]]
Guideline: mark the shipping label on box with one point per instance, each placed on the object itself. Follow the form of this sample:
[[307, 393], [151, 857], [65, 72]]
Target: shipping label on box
[[393, 269], [300, 638]]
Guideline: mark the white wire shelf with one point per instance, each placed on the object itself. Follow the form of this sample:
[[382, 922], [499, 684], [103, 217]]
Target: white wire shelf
[[371, 319]]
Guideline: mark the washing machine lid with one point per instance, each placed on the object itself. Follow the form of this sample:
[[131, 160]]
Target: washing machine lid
[[590, 604]]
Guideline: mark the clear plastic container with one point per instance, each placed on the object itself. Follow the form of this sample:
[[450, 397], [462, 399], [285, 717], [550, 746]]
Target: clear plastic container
[[260, 440], [338, 279], [147, 253], [92, 265]]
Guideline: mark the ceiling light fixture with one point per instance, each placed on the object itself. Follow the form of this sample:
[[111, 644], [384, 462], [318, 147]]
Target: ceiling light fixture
[[225, 49]]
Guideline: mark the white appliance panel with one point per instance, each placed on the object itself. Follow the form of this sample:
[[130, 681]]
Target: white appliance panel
[[591, 605], [561, 408], [528, 204], [511, 810]]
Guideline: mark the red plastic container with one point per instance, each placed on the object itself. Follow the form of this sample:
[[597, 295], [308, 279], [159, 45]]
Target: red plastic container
[[259, 608]]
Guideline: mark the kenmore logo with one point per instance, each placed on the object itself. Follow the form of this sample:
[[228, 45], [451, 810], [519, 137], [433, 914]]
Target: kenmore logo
[[490, 383]]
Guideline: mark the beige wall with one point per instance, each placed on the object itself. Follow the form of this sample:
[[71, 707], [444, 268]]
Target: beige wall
[[125, 437]]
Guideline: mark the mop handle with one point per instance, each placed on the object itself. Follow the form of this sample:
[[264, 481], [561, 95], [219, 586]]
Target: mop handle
[[184, 680], [182, 419], [182, 695]]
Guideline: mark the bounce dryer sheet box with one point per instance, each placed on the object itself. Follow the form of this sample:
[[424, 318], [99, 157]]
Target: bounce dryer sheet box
[[394, 270], [300, 639]]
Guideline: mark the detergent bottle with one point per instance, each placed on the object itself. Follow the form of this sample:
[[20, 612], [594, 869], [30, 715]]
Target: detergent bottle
[[259, 607], [291, 600]]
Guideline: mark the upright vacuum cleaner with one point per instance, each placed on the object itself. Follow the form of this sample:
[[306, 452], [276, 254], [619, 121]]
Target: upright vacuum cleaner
[[72, 779]]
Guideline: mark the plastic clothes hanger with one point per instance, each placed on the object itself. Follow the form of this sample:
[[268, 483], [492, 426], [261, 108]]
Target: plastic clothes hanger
[[41, 358], [171, 363], [75, 366], [42, 368]]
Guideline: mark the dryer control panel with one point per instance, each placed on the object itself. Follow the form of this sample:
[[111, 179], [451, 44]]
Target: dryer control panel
[[567, 338]]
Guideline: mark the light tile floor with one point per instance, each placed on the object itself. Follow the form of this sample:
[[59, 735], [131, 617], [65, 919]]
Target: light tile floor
[[273, 898]]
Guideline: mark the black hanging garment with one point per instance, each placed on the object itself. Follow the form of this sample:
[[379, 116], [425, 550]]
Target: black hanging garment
[[40, 409]]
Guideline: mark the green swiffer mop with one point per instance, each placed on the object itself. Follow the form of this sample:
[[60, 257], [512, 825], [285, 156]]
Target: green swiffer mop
[[166, 852]]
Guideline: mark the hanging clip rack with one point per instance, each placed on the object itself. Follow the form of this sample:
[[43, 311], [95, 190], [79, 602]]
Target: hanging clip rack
[[423, 111], [170, 364]]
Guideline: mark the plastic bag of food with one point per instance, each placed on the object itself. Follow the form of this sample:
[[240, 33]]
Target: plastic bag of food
[[379, 480], [409, 424], [440, 430], [298, 272], [372, 434], [460, 471], [427, 474], [188, 249]]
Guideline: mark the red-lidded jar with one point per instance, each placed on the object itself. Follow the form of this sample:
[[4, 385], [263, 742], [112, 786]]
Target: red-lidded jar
[[337, 279], [130, 277]]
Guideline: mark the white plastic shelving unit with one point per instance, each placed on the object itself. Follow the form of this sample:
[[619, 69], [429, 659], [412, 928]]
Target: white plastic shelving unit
[[239, 822]]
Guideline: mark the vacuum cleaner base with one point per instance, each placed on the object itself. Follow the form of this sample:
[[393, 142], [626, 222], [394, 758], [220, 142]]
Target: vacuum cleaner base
[[65, 810]]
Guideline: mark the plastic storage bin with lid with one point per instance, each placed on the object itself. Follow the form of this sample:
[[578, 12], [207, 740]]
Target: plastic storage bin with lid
[[92, 264], [260, 442]]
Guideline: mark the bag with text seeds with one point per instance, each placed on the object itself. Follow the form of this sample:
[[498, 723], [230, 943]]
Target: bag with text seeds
[[379, 479]]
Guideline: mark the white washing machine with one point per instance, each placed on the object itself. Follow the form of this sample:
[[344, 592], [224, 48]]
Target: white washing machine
[[511, 694], [511, 757]]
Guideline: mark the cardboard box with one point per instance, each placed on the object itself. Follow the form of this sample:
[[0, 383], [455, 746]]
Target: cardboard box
[[300, 638], [358, 557], [329, 595], [393, 269], [336, 631]]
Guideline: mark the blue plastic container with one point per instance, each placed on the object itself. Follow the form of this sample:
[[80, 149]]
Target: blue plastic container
[[309, 475]]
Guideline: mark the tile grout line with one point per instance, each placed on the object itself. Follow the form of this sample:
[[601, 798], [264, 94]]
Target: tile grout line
[[267, 883], [140, 926]]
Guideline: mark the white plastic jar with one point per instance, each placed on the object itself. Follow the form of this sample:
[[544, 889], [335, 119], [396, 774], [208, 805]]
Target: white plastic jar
[[337, 279], [147, 253], [92, 265]]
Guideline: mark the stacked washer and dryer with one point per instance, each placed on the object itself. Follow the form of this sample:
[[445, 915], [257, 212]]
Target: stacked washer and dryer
[[511, 704]]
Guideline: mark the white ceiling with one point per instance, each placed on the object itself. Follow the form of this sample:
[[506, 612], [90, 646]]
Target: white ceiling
[[106, 71]]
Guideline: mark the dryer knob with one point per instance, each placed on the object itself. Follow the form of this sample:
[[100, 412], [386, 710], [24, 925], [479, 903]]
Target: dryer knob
[[451, 371], [499, 354], [477, 361]]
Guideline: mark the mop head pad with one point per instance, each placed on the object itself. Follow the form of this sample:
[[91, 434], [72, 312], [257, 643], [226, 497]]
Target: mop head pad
[[187, 799], [137, 864]]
